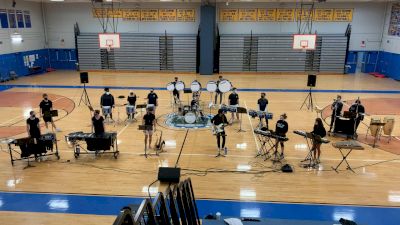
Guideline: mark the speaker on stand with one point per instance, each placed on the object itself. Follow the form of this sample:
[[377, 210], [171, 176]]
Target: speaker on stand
[[84, 76], [308, 101]]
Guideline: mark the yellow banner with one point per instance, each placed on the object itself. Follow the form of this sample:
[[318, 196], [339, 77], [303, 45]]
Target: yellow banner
[[114, 13], [149, 15], [285, 15], [305, 14], [131, 14], [99, 13], [323, 15], [228, 15], [266, 15], [247, 15], [167, 15], [186, 15], [343, 15]]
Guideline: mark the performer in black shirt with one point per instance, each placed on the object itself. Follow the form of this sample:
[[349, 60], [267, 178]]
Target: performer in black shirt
[[107, 101], [318, 132], [336, 107], [176, 92], [262, 106], [234, 101], [219, 121], [33, 127], [149, 120], [281, 129], [45, 110], [359, 112], [98, 123], [131, 102], [218, 92], [152, 101]]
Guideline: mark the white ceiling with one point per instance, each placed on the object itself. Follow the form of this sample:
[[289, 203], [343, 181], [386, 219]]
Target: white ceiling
[[198, 1]]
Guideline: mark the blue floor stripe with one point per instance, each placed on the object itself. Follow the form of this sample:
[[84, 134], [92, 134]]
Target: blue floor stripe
[[110, 205], [242, 90]]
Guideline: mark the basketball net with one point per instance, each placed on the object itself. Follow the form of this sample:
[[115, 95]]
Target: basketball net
[[108, 48], [303, 49]]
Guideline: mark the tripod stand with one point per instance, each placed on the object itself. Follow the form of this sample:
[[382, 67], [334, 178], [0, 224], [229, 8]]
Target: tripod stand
[[241, 111], [308, 101], [85, 98]]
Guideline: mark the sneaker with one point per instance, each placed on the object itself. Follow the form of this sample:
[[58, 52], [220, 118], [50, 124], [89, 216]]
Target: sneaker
[[225, 150], [282, 156]]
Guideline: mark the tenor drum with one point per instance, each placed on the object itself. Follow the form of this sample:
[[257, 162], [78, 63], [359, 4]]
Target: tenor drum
[[179, 86], [190, 117], [130, 109], [195, 86], [106, 110], [224, 86], [170, 86], [212, 86], [389, 124]]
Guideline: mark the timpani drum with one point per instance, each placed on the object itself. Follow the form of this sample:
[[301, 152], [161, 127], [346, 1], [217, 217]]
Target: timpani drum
[[195, 86], [106, 110], [225, 86], [212, 86], [190, 117], [170, 86], [389, 125], [179, 86], [130, 109]]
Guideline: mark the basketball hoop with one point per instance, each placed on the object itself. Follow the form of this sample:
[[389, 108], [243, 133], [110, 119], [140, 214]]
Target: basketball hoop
[[108, 48], [303, 48]]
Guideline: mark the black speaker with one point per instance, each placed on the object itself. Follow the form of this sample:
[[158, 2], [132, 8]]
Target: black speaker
[[84, 77], [312, 80], [169, 174]]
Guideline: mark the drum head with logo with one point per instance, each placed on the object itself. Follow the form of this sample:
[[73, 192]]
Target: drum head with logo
[[180, 86], [190, 117], [224, 86], [195, 86], [212, 86], [170, 86]]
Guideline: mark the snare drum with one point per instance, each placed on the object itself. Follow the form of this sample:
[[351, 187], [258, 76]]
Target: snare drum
[[106, 110], [130, 109], [179, 86], [225, 86], [170, 86], [190, 117], [195, 86], [212, 86]]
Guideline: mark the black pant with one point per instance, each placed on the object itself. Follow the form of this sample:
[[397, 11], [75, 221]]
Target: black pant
[[176, 93], [333, 119], [222, 134], [358, 121], [220, 97], [266, 120]]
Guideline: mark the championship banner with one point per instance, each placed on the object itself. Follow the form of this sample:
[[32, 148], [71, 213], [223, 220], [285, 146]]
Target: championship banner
[[99, 13], [285, 15], [149, 15], [185, 15], [343, 15], [228, 15], [114, 13], [247, 15], [323, 15], [167, 15], [304, 15], [131, 14], [266, 15]]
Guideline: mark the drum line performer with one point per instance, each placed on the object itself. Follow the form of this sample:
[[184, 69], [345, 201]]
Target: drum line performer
[[131, 99], [98, 127], [176, 92], [263, 106], [318, 133], [281, 129], [218, 92], [46, 106], [33, 127], [107, 100], [359, 111], [336, 107], [152, 101], [149, 120], [217, 120], [234, 102]]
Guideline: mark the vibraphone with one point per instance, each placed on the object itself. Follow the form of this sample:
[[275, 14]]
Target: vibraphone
[[268, 140], [97, 144], [46, 145], [310, 160]]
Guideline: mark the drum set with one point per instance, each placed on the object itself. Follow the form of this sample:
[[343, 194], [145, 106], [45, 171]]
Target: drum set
[[193, 111]]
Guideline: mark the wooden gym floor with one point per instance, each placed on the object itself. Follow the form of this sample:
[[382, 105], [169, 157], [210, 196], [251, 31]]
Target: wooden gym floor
[[376, 181]]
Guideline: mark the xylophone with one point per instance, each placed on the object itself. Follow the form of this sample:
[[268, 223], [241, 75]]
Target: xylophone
[[98, 143], [260, 114]]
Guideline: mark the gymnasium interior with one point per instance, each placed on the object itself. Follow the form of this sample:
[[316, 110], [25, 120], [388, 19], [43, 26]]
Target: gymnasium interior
[[190, 112]]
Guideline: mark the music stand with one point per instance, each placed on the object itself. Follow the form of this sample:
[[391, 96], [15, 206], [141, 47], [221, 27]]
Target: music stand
[[144, 128], [241, 111]]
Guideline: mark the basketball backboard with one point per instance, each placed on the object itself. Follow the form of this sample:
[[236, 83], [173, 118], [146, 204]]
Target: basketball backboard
[[109, 41], [304, 41]]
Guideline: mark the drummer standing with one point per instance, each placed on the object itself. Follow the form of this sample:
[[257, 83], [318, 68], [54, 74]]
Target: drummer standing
[[131, 102], [176, 92], [218, 92], [152, 100], [107, 100], [234, 102]]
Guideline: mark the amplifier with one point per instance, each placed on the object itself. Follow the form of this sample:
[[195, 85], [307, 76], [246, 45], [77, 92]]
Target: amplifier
[[169, 174]]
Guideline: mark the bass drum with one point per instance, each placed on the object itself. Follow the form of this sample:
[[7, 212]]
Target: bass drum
[[212, 86], [224, 86], [190, 118], [170, 86], [180, 86], [195, 86]]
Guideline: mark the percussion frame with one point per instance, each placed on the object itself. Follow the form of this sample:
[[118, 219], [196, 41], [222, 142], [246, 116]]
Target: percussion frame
[[77, 143], [13, 159]]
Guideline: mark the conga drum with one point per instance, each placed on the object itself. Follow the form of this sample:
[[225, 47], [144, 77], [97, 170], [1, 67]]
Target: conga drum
[[374, 129], [389, 125]]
